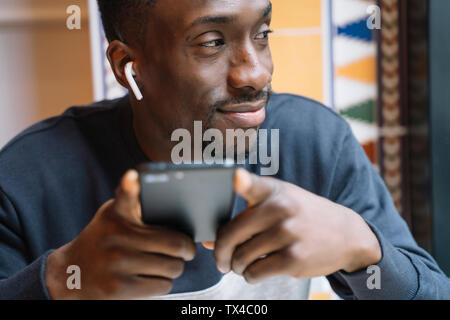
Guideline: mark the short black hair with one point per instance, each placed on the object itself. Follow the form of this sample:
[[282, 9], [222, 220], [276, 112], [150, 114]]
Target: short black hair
[[124, 20]]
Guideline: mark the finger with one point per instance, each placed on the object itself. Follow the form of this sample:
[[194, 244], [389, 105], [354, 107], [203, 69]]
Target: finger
[[245, 226], [209, 245], [262, 244], [253, 188], [275, 264], [127, 197], [145, 287], [159, 240], [151, 264]]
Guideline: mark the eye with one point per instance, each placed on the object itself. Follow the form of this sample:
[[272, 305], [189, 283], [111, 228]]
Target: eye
[[213, 44], [263, 35]]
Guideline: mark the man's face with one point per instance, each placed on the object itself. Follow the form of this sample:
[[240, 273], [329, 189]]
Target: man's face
[[209, 61]]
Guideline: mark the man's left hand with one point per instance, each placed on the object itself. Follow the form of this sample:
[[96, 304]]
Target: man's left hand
[[287, 230]]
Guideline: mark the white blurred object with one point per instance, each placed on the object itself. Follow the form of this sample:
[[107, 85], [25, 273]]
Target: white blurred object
[[321, 290], [129, 73]]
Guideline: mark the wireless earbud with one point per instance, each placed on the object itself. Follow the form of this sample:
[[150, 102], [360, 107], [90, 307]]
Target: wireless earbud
[[130, 74]]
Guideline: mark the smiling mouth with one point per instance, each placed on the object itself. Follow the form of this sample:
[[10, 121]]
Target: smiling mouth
[[244, 108], [245, 115]]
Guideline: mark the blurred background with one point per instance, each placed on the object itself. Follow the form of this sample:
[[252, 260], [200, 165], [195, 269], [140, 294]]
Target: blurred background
[[382, 64]]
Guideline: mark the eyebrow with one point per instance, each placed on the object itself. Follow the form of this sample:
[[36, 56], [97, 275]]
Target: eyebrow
[[225, 19], [214, 20], [268, 10]]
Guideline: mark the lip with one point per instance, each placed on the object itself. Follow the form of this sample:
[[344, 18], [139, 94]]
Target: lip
[[244, 108], [245, 115]]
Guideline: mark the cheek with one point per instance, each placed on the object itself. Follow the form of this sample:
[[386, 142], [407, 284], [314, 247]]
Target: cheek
[[202, 88], [185, 88], [268, 61]]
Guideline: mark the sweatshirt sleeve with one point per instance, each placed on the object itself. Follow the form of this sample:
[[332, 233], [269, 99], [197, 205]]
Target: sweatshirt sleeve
[[406, 271], [19, 279]]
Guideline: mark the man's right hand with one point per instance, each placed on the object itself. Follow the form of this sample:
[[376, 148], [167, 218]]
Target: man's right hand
[[119, 256]]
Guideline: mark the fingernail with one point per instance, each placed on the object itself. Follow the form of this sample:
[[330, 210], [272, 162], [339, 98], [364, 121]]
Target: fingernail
[[132, 175], [243, 181], [129, 183], [222, 269]]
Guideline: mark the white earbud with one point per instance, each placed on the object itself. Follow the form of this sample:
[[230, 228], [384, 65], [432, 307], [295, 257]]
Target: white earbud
[[129, 73]]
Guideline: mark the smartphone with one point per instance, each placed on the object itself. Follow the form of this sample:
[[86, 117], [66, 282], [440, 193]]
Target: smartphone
[[193, 199]]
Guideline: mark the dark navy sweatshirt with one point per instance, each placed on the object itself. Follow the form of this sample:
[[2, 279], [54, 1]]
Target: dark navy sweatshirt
[[55, 175]]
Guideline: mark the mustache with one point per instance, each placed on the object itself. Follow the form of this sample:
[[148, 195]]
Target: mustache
[[258, 96]]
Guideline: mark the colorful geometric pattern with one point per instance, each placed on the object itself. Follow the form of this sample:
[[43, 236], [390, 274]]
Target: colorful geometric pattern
[[355, 71]]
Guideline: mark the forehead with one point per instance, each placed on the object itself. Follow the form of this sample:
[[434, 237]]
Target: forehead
[[182, 14]]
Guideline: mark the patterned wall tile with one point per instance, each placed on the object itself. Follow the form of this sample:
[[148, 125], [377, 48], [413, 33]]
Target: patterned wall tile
[[355, 78]]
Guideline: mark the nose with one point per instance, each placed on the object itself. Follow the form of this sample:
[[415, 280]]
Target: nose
[[249, 69]]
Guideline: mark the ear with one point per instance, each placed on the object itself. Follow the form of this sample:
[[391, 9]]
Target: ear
[[119, 54]]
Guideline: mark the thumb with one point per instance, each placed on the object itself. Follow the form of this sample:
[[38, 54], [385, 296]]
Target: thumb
[[127, 197], [251, 187]]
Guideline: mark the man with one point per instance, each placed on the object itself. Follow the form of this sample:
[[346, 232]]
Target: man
[[326, 211]]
